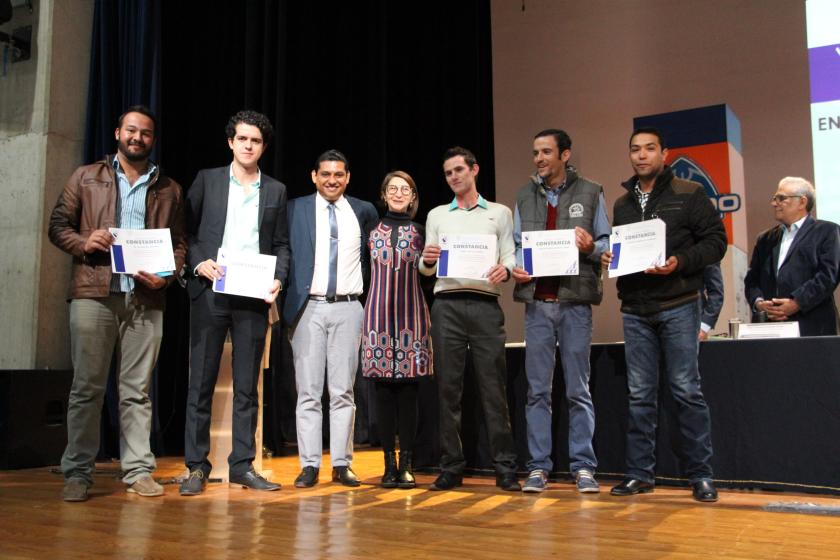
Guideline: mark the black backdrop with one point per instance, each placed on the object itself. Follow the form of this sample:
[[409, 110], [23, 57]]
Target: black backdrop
[[391, 84]]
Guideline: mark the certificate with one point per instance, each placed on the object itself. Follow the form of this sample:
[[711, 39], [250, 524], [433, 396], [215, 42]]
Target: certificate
[[636, 247], [468, 256], [550, 253], [246, 274], [149, 250]]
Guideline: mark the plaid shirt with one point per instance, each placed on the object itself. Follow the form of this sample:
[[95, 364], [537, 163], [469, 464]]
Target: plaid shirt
[[642, 196]]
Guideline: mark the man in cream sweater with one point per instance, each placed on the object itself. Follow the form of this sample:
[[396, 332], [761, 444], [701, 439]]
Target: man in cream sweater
[[466, 314]]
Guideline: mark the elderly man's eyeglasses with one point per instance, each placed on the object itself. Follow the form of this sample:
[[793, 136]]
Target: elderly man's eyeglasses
[[779, 198], [402, 189]]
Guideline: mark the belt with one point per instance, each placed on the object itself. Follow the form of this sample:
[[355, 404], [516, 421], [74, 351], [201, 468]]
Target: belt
[[333, 299], [547, 299]]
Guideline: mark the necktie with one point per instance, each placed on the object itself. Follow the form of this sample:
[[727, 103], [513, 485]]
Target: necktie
[[333, 278]]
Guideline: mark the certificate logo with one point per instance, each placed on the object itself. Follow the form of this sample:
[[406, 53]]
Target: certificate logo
[[686, 168], [576, 210]]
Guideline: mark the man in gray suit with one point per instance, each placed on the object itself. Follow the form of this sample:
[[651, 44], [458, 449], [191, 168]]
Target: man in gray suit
[[328, 235]]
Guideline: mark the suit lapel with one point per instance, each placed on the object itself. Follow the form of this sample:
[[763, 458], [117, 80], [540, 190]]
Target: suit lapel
[[261, 210], [803, 232], [777, 245], [309, 213], [223, 181]]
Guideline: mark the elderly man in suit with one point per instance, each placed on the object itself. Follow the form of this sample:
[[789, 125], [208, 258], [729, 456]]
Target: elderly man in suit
[[237, 208], [328, 234], [795, 265]]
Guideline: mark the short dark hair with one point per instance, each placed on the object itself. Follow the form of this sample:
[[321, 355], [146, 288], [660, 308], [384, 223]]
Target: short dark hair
[[649, 130], [455, 151], [564, 142], [332, 155], [252, 118], [143, 110]]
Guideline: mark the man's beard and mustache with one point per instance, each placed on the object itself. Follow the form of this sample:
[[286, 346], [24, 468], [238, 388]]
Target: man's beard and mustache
[[134, 156]]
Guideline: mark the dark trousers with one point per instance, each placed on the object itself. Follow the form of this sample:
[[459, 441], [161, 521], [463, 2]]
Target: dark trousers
[[474, 322], [396, 408], [212, 315]]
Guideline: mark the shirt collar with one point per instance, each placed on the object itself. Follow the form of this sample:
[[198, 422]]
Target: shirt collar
[[322, 202], [797, 225], [150, 167], [255, 184], [481, 202]]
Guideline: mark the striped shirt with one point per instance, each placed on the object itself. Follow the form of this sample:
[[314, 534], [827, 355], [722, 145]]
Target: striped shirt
[[131, 213]]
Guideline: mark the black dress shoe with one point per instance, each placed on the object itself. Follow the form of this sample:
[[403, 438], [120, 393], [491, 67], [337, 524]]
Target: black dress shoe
[[345, 475], [704, 491], [631, 486], [508, 481], [194, 484], [254, 481], [307, 478], [447, 481]]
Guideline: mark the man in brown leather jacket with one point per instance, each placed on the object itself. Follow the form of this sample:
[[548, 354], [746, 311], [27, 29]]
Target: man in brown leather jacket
[[125, 190]]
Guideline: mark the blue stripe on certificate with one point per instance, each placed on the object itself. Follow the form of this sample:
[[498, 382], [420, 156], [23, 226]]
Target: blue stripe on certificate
[[616, 251], [119, 260]]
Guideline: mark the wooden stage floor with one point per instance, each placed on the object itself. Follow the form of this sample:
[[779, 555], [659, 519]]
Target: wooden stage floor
[[331, 521]]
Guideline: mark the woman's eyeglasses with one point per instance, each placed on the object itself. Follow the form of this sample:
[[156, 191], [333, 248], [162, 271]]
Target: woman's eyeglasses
[[394, 189]]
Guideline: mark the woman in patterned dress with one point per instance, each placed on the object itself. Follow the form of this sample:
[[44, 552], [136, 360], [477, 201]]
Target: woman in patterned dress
[[396, 340]]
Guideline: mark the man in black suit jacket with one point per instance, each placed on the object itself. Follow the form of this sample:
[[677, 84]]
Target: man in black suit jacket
[[328, 234], [239, 209], [795, 266]]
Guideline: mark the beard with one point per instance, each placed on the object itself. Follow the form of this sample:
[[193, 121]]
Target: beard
[[134, 156]]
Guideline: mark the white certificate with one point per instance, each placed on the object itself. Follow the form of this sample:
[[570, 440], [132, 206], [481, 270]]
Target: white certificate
[[636, 247], [246, 274], [149, 250], [550, 253], [466, 255]]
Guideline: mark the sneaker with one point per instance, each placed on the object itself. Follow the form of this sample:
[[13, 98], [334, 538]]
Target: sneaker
[[194, 484], [586, 483], [537, 481], [75, 490], [145, 486]]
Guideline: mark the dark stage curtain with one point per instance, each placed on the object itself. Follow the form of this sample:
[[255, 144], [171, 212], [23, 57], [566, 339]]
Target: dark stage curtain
[[391, 84], [124, 69]]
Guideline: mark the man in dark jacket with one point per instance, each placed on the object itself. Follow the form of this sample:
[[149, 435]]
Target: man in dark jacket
[[660, 313], [241, 210], [795, 266], [123, 191]]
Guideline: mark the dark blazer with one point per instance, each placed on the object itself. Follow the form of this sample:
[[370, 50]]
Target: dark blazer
[[301, 214], [207, 201], [809, 274], [711, 296]]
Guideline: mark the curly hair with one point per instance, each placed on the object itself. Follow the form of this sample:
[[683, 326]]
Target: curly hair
[[252, 118]]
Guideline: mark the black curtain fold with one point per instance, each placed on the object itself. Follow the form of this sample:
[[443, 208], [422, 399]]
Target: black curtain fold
[[124, 70]]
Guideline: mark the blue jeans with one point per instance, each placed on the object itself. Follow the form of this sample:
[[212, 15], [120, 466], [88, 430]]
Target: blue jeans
[[570, 325], [672, 333]]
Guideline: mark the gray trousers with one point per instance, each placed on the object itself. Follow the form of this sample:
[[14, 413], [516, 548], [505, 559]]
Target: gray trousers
[[96, 325], [325, 344]]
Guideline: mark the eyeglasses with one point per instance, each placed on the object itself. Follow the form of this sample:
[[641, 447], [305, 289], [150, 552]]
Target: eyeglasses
[[402, 189], [779, 198]]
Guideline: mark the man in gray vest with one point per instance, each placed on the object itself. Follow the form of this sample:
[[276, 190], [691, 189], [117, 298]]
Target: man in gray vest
[[558, 308]]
